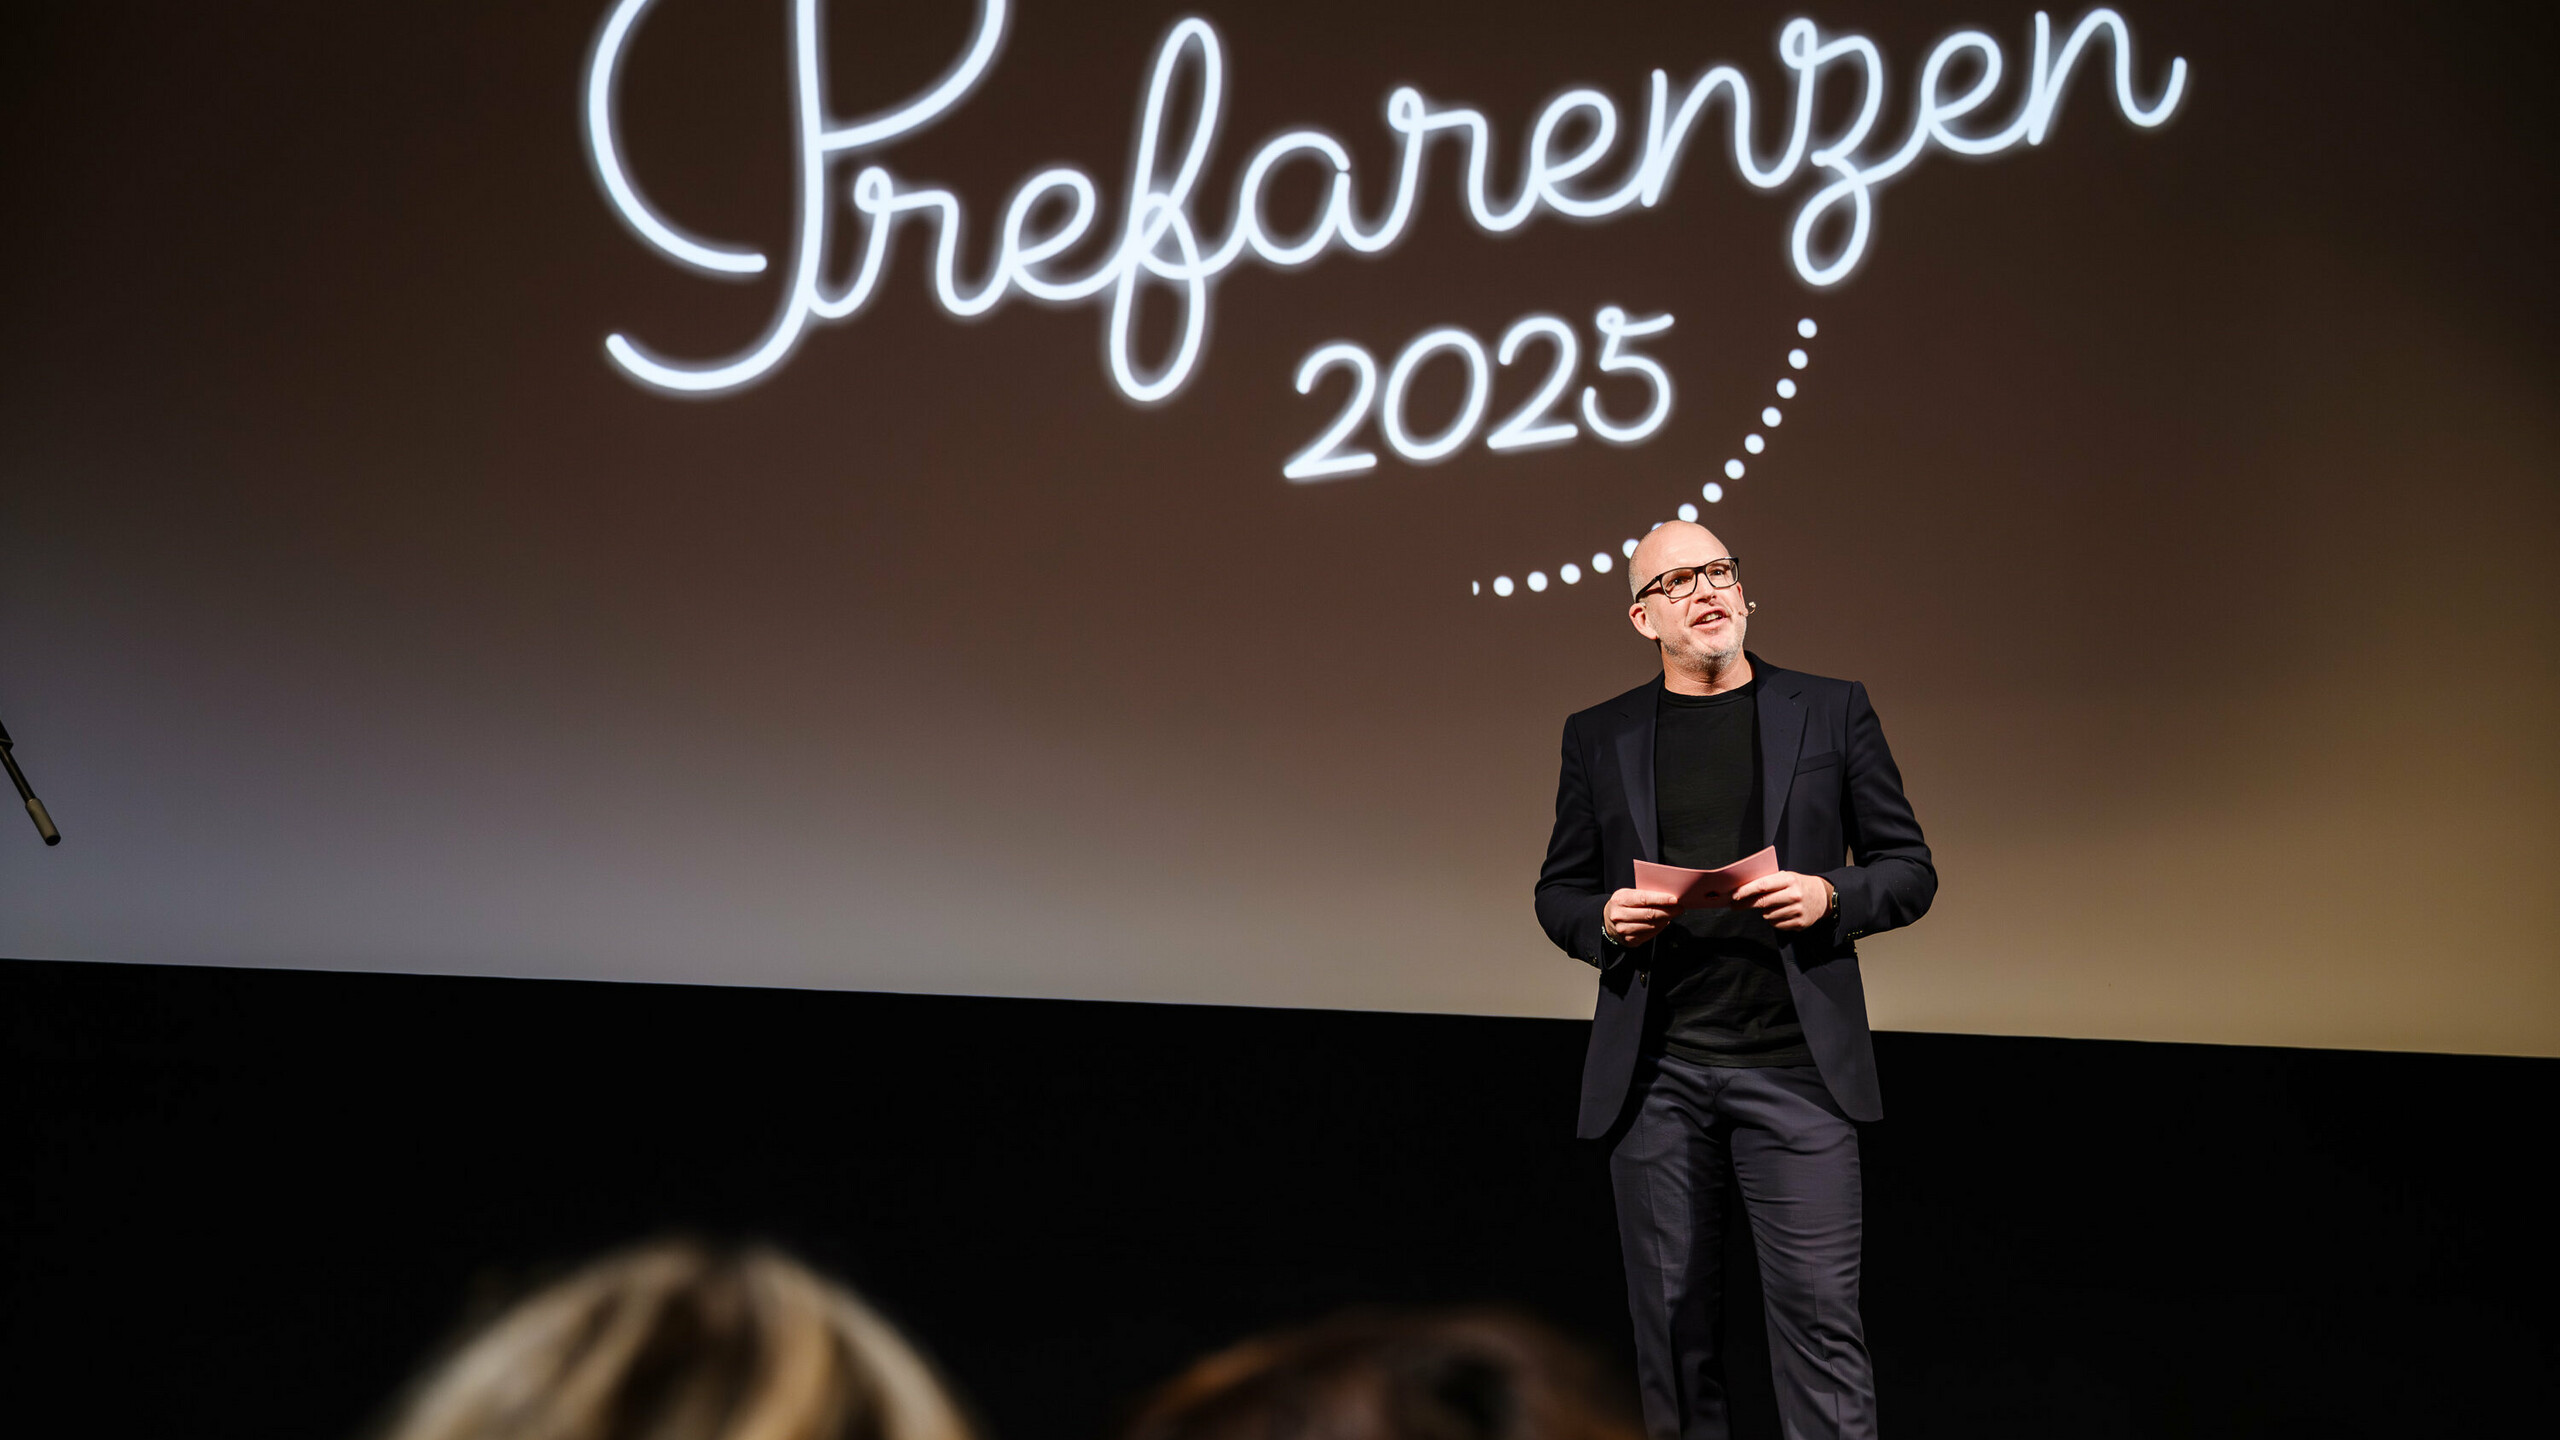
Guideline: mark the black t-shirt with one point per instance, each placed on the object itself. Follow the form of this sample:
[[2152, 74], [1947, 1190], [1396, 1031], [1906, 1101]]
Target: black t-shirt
[[1721, 989]]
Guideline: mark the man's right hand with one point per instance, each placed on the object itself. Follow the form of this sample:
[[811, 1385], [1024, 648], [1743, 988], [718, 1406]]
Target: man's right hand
[[1636, 916]]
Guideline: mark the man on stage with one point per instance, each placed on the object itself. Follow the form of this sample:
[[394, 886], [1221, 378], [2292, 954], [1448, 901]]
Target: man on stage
[[1732, 1044]]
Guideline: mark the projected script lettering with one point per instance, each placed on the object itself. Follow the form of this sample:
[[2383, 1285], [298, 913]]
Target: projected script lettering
[[1054, 211]]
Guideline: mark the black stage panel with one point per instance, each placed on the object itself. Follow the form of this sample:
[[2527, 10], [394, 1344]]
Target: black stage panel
[[244, 1201]]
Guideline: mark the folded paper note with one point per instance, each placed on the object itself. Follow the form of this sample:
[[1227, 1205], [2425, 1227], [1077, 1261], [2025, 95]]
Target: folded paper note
[[1706, 889]]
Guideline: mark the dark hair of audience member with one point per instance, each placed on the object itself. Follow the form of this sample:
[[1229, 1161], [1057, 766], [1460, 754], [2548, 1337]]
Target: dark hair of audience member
[[1372, 1376], [676, 1340]]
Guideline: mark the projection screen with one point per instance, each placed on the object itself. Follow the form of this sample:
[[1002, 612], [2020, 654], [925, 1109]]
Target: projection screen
[[1115, 501]]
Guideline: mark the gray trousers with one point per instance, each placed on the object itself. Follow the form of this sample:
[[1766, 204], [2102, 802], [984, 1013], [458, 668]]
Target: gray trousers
[[1794, 1155]]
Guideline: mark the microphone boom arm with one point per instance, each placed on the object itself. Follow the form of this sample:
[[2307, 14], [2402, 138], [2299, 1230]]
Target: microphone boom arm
[[35, 807]]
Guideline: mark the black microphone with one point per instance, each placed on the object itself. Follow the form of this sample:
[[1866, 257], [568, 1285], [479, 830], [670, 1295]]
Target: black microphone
[[35, 807]]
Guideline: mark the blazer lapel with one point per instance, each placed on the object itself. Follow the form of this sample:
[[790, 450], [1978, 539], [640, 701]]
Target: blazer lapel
[[1781, 736], [1635, 766]]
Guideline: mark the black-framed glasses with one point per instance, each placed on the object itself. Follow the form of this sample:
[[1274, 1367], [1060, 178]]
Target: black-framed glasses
[[1681, 581]]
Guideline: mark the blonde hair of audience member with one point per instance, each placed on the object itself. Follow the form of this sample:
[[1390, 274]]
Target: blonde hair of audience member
[[677, 1341], [1369, 1376]]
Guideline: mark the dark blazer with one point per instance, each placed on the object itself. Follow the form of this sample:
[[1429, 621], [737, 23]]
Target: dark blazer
[[1834, 807]]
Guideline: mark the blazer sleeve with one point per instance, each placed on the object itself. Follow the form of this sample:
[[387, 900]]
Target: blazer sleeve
[[1573, 884], [1891, 879]]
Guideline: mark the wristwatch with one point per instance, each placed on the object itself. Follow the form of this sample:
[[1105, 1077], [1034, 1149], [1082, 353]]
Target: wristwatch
[[1830, 912]]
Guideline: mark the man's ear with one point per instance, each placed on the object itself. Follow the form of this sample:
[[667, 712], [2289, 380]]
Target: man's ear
[[1643, 622]]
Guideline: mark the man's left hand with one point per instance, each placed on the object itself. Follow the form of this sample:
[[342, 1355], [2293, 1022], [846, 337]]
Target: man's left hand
[[1787, 900]]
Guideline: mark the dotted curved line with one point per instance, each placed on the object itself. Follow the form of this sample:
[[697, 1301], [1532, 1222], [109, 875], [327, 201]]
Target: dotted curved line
[[1570, 572]]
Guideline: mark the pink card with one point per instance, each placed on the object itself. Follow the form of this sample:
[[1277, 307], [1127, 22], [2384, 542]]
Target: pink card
[[1706, 889]]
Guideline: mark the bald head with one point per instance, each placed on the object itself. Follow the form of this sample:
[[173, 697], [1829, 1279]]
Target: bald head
[[1672, 543], [1700, 625]]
